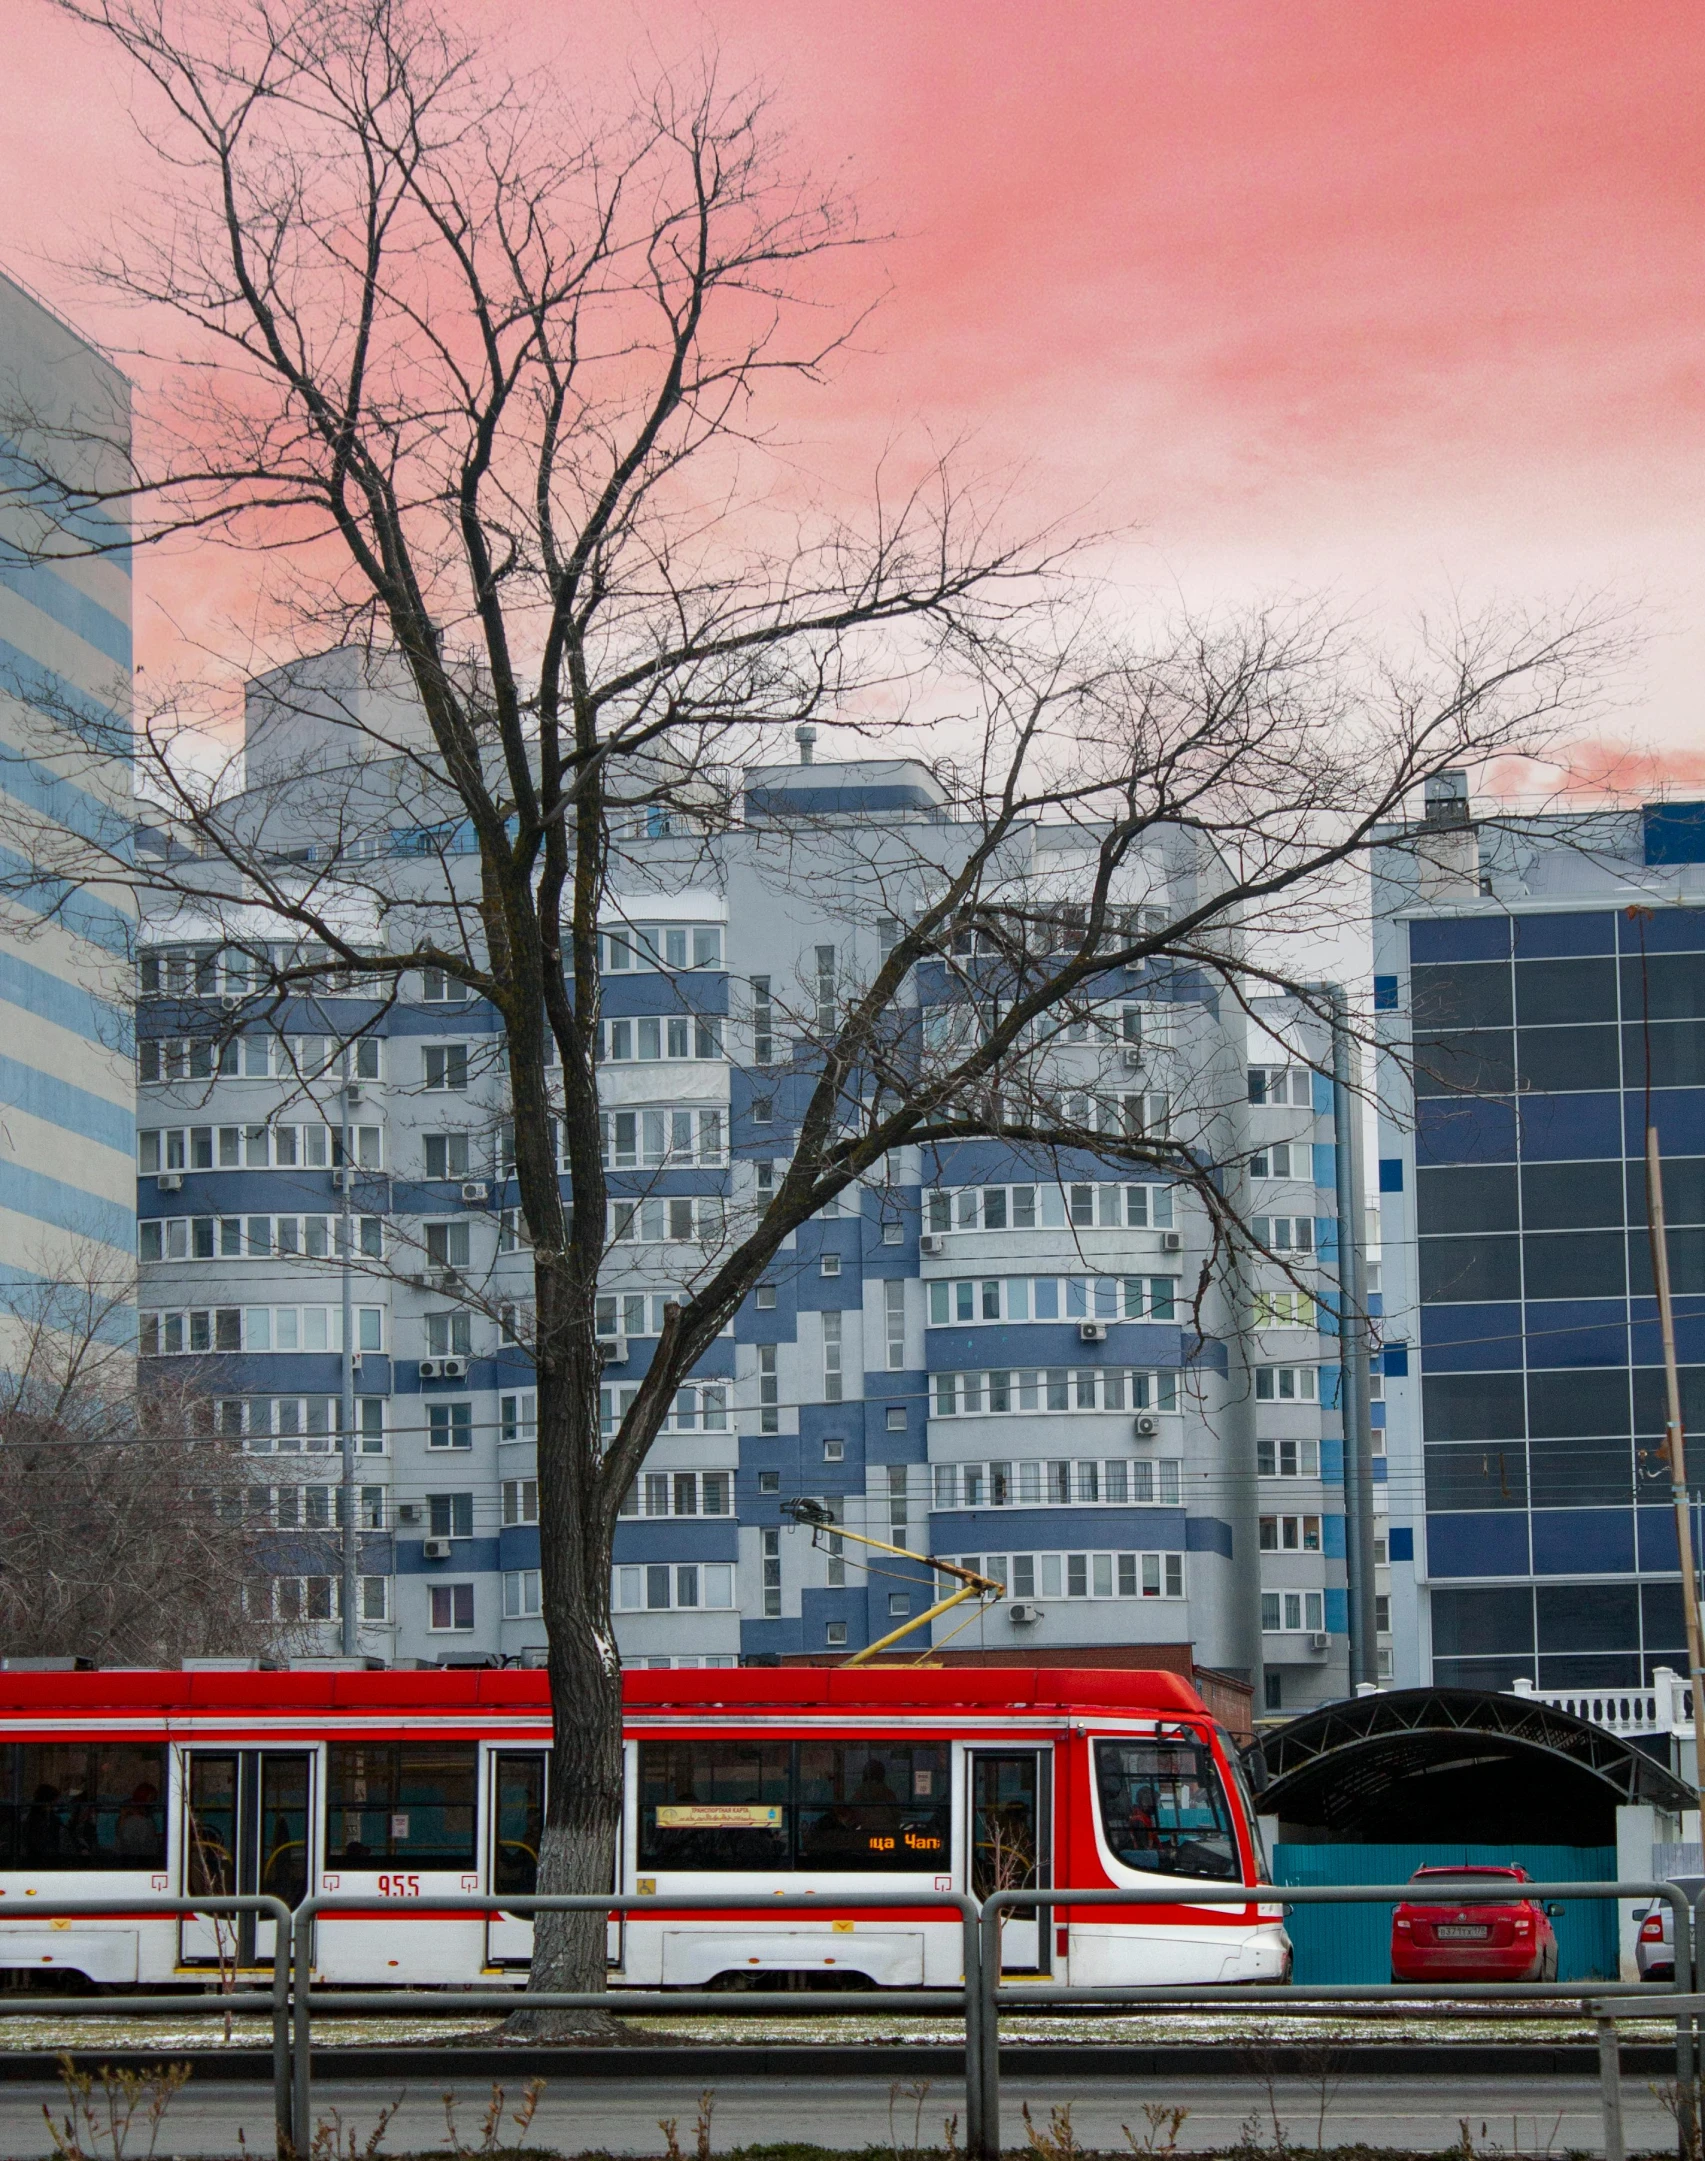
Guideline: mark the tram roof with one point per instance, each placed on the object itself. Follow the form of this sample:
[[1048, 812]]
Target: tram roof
[[129, 1692]]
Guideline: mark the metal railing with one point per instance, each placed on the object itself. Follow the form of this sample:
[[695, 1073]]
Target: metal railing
[[273, 2003], [294, 1995], [982, 2034], [311, 1996]]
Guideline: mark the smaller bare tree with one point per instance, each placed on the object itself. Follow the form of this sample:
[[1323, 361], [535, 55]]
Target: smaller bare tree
[[129, 1533]]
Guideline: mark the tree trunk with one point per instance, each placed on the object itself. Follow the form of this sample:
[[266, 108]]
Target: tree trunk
[[577, 1851]]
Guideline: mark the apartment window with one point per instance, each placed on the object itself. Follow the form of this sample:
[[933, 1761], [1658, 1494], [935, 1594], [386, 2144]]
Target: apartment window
[[446, 1155], [763, 1022], [897, 1502], [769, 1390], [894, 1323], [520, 1501], [1290, 1534], [897, 1418], [825, 992], [830, 1264], [1029, 1391], [832, 1357], [521, 1595], [769, 1481], [452, 1607], [518, 1416], [370, 1424], [449, 1335], [1284, 1159], [673, 1036], [1283, 1309], [1287, 1459], [1382, 1613], [1282, 1084], [451, 1515], [306, 1598], [1114, 1481], [766, 1297], [834, 1451], [835, 1635], [440, 988], [445, 1065], [447, 1244], [664, 1587], [375, 1598], [1290, 1613], [770, 1547], [672, 1218], [899, 1605], [1381, 1552], [1287, 1384], [450, 1425], [763, 1110], [1285, 1234]]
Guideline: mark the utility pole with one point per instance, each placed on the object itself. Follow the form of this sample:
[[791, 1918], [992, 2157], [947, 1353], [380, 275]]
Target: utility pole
[[1675, 1447], [1355, 1392], [350, 1638]]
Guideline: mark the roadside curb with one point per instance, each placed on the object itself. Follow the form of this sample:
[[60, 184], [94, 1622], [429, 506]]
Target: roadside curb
[[436, 2068]]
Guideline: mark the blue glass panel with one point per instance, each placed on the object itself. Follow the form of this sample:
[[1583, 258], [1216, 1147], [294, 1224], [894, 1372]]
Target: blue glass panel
[[1577, 1332], [1490, 1542], [1583, 1541], [1385, 994], [1563, 937], [1568, 1128], [1450, 1131], [1402, 1542], [1470, 1339], [1391, 1174], [1472, 937], [1666, 930]]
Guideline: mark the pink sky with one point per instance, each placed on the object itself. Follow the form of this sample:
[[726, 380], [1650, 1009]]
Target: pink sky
[[1342, 292]]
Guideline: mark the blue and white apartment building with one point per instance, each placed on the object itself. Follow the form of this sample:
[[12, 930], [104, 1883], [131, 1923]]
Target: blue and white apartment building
[[980, 1356], [67, 1075], [1539, 981]]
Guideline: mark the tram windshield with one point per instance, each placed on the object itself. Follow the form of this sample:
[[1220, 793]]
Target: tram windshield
[[1164, 1807]]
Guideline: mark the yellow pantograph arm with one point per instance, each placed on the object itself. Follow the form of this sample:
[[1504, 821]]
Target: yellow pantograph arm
[[973, 1585]]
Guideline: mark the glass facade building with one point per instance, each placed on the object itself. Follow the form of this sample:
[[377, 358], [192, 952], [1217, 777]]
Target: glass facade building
[[1540, 989]]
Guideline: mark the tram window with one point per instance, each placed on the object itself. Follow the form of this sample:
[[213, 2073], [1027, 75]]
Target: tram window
[[71, 1805], [1163, 1808], [871, 1805], [829, 1807], [520, 1822], [400, 1801]]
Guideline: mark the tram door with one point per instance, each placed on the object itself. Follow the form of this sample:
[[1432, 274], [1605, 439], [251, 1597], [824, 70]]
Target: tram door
[[1012, 1844], [517, 1819], [246, 1825]]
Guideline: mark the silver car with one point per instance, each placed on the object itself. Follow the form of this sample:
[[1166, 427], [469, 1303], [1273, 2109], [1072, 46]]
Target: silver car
[[1654, 1935]]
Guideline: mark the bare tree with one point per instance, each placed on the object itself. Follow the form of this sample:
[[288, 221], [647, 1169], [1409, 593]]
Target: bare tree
[[128, 1535], [481, 385]]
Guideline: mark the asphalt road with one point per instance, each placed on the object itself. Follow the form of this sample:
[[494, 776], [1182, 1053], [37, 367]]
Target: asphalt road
[[1525, 2116]]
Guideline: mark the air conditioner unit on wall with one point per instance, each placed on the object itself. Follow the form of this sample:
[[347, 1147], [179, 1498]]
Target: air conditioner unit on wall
[[453, 1369], [932, 1245], [1134, 1056], [476, 1190], [1092, 1331], [1025, 1615], [171, 1181], [1172, 1241], [1319, 1640], [430, 1368], [615, 1350], [1147, 1426], [435, 1549]]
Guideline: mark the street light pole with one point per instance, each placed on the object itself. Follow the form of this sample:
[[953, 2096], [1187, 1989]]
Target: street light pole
[[1675, 1448], [1356, 1389], [346, 1419]]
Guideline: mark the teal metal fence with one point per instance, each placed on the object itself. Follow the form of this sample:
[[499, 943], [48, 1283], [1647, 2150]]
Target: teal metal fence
[[1353, 1943]]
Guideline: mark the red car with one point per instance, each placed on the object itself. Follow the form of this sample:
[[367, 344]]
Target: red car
[[1447, 1941]]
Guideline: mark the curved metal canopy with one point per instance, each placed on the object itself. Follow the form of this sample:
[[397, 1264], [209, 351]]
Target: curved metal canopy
[[1417, 1756]]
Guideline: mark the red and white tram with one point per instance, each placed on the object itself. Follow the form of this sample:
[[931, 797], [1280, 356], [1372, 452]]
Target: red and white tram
[[401, 1787]]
